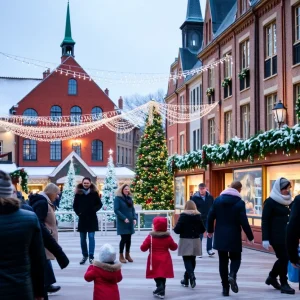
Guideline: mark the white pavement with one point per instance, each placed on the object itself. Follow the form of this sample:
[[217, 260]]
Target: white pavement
[[134, 286]]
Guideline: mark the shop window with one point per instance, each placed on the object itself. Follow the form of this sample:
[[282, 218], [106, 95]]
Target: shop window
[[179, 192], [271, 50], [193, 182], [271, 101]]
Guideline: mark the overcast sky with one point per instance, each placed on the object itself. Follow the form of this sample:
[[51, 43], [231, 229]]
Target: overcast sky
[[118, 35]]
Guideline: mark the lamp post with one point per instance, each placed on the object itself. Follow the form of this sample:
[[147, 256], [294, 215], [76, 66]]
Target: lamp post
[[279, 112]]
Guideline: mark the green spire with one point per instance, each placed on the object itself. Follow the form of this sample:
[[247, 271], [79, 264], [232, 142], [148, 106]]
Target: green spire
[[68, 32]]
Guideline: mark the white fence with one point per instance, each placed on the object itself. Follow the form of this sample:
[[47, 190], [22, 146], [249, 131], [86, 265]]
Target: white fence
[[103, 218]]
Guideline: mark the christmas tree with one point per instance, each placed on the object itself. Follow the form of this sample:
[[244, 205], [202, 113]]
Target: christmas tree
[[152, 185], [68, 194], [109, 188]]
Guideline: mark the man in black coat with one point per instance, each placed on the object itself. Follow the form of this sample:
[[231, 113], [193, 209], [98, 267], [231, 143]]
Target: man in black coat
[[86, 204], [204, 200], [229, 211]]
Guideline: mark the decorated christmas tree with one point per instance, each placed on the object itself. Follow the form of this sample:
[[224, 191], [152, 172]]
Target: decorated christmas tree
[[152, 185], [68, 194], [110, 185]]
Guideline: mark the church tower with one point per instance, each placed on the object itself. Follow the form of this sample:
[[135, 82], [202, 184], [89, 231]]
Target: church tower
[[192, 28]]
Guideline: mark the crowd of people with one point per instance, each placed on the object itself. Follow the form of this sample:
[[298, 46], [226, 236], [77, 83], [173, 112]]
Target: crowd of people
[[31, 235]]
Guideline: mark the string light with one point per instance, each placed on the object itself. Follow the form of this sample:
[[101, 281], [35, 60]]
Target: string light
[[49, 128]]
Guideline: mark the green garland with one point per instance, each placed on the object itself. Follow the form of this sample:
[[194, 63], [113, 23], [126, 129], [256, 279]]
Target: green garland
[[24, 178], [298, 108], [243, 74], [285, 139], [210, 91], [226, 82]]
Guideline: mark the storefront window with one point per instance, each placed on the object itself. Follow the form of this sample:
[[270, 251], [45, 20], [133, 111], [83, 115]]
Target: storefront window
[[193, 183], [290, 172], [179, 192], [228, 180]]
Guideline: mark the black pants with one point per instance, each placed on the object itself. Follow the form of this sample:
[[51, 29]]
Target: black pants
[[280, 267], [49, 277], [125, 241], [235, 262], [160, 281], [189, 263]]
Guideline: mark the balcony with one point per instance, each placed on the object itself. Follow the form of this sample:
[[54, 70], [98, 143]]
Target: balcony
[[6, 158]]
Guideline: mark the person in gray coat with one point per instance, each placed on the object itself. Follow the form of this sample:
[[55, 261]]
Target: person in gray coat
[[126, 220]]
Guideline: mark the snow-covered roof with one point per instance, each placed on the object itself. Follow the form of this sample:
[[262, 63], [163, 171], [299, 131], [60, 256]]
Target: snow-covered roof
[[8, 168], [38, 171], [13, 89], [121, 172]]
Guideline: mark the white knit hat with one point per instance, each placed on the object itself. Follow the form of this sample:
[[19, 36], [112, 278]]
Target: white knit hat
[[107, 254]]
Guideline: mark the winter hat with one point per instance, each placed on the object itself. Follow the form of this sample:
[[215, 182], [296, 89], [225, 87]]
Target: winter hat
[[284, 183], [107, 254], [6, 188], [160, 224]]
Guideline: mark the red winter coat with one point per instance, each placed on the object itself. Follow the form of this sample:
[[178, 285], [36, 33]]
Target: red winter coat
[[105, 277], [159, 256]]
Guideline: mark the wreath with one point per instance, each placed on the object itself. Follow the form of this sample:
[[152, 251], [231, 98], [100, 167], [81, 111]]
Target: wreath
[[210, 91], [24, 178], [243, 74], [226, 82]]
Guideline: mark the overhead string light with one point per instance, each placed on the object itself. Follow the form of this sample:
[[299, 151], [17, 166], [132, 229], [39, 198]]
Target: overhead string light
[[113, 77], [49, 128]]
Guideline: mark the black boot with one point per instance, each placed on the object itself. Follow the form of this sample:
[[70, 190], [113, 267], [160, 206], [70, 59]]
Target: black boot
[[233, 284], [286, 289], [273, 282], [225, 291], [53, 289], [192, 280], [160, 292], [84, 259], [185, 281]]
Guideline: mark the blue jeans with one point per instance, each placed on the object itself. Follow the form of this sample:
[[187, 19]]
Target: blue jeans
[[83, 244], [208, 242]]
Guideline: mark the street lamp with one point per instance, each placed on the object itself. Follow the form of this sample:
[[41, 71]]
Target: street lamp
[[279, 112]]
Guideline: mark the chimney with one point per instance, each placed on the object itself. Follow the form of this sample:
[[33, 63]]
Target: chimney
[[106, 92], [120, 102], [46, 73]]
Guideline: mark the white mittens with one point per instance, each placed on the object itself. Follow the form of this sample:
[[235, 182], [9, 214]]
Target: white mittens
[[266, 244]]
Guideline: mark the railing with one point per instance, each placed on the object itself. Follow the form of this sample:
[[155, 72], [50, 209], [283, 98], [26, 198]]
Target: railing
[[103, 216], [6, 158]]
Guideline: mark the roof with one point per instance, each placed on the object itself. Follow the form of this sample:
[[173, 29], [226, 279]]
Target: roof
[[13, 89], [68, 31], [196, 66], [8, 168], [188, 58], [121, 172], [193, 13], [219, 10]]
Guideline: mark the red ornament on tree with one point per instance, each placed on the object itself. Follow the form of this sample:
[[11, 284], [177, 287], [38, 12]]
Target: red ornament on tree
[[149, 201]]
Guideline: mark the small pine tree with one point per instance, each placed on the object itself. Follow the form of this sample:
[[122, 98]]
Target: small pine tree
[[68, 194], [110, 185], [153, 184]]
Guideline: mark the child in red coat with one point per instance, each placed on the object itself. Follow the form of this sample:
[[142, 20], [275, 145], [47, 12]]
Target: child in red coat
[[159, 263], [106, 274]]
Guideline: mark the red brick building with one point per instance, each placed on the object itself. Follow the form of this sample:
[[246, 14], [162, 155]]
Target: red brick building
[[263, 38]]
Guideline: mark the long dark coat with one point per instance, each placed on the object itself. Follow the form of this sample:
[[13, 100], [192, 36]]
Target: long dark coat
[[123, 211], [230, 214], [203, 206], [22, 253], [275, 217], [86, 207]]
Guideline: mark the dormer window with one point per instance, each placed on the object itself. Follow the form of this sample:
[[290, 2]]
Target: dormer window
[[195, 39], [243, 6]]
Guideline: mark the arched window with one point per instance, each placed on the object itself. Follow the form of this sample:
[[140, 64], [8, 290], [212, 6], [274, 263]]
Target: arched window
[[195, 39], [55, 150], [32, 114], [29, 150], [96, 113], [97, 150], [72, 87], [75, 115], [55, 113]]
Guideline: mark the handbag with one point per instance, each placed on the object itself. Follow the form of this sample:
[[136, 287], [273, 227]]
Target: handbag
[[293, 273]]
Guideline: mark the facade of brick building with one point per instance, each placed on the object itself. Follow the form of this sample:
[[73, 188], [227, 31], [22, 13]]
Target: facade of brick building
[[263, 39]]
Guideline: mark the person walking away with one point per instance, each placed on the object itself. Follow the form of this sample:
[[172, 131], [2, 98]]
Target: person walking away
[[275, 217], [106, 274], [204, 201], [159, 262], [229, 212], [126, 220], [86, 204], [189, 226], [22, 254]]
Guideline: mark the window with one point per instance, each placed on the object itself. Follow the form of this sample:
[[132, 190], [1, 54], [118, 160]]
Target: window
[[122, 162], [228, 74], [97, 150], [130, 156], [195, 39], [296, 95], [96, 113], [181, 101], [271, 101], [171, 146], [245, 64], [55, 113], [29, 150], [75, 115], [118, 154], [32, 114], [196, 139], [271, 50], [228, 126], [211, 131], [181, 145], [243, 6], [72, 87], [211, 84], [296, 47], [77, 149], [55, 150], [126, 156], [1, 147], [245, 119]]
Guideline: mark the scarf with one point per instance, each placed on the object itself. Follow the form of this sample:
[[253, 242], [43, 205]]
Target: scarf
[[128, 200], [86, 191], [231, 192], [276, 195]]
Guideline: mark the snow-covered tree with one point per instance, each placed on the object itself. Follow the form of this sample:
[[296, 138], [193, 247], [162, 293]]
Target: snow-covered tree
[[110, 185], [68, 194]]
